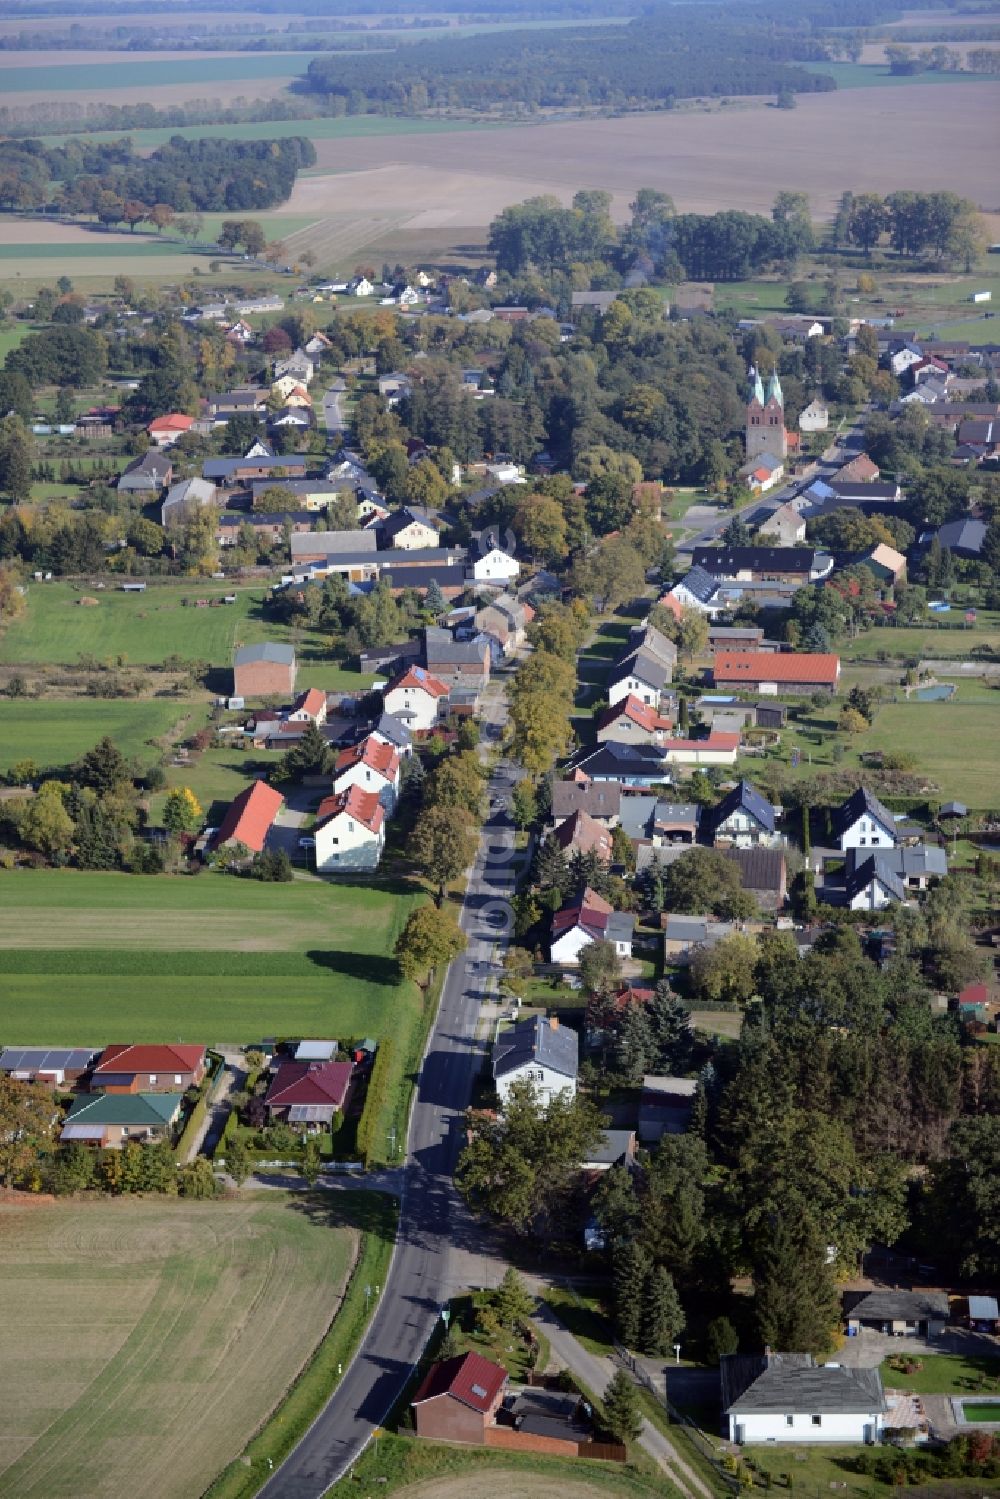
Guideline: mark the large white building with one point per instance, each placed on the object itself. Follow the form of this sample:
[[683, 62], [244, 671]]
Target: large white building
[[415, 697], [788, 1397], [540, 1052], [349, 832], [863, 822]]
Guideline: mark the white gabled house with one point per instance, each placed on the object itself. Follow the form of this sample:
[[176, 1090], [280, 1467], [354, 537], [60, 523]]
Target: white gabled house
[[371, 765], [863, 822], [640, 675], [416, 697], [541, 1052], [589, 918], [494, 565], [349, 832], [788, 1397]]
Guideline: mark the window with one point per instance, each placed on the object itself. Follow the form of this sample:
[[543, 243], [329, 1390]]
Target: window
[[152, 1079], [789, 1420], [177, 1078], [816, 1420]]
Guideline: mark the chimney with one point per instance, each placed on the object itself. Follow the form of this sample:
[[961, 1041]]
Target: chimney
[[553, 1022]]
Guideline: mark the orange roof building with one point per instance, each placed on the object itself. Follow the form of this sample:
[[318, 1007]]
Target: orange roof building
[[767, 672], [250, 817]]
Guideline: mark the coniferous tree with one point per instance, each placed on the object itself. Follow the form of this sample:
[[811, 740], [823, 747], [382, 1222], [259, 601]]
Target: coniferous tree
[[630, 1270], [663, 1319], [795, 1299], [670, 1025], [621, 1408]]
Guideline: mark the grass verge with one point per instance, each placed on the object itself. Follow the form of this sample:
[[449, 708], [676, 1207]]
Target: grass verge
[[376, 1216]]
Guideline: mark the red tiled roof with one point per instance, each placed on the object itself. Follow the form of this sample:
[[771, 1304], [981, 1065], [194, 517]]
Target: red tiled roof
[[149, 1059], [639, 712], [363, 806], [309, 1082], [470, 1378], [974, 994], [583, 832], [250, 816], [673, 604], [718, 741], [312, 701], [375, 753], [760, 666], [590, 910], [416, 676], [174, 421]]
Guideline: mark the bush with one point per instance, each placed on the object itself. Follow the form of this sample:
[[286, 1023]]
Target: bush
[[378, 1091]]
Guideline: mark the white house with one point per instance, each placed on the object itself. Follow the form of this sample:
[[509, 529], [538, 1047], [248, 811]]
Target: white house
[[589, 918], [788, 1397], [640, 675], [495, 566], [541, 1052], [744, 819], [360, 287], [349, 832], [863, 822], [408, 531], [814, 418], [416, 697], [309, 707], [371, 765], [903, 359], [393, 388], [871, 886], [298, 365]]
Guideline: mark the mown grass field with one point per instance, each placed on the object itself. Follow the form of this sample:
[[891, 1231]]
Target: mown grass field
[[144, 1341], [346, 127], [943, 1374], [54, 731], [206, 958], [919, 642]]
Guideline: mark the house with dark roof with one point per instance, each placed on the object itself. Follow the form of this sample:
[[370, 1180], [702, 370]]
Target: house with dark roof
[[264, 670], [863, 822], [676, 823], [107, 1121], [249, 818], [964, 538], [696, 590], [395, 732], [538, 1051], [760, 564], [147, 475], [409, 528], [869, 885], [764, 872], [743, 819], [53, 1066], [665, 1107], [634, 766], [308, 1094], [458, 1399], [910, 1314], [788, 1397], [601, 800], [640, 675], [589, 918]]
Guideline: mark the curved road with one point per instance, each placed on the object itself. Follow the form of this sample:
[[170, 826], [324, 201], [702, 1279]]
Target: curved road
[[431, 1216]]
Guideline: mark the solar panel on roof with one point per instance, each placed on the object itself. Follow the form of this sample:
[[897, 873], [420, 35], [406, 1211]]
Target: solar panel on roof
[[477, 1389]]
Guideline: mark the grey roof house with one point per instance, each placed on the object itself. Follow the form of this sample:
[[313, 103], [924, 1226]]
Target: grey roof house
[[539, 1051], [921, 1314], [788, 1397]]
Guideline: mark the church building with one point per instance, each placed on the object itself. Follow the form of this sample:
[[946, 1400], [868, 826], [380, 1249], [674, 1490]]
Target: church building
[[766, 435]]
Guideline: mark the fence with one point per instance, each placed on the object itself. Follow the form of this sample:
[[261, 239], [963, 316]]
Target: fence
[[697, 1437]]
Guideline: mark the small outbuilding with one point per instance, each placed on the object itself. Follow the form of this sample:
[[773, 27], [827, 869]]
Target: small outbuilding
[[458, 1399], [899, 1314]]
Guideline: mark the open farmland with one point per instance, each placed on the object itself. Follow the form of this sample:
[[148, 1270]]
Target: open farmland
[[189, 1321], [54, 731], [950, 741], [206, 958], [446, 191]]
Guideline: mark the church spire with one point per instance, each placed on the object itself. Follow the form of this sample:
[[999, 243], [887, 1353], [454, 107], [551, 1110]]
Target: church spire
[[755, 391], [774, 392]]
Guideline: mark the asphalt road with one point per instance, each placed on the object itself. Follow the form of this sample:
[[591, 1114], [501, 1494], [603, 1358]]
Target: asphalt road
[[431, 1218], [333, 415]]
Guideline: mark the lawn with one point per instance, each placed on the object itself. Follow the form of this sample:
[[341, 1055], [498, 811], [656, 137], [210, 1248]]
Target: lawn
[[12, 335], [88, 957], [943, 1374], [55, 732], [188, 1322], [951, 742], [146, 628], [439, 1470], [346, 127], [918, 642], [102, 248]]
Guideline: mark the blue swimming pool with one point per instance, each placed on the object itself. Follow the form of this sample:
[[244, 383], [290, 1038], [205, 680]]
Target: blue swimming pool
[[934, 694]]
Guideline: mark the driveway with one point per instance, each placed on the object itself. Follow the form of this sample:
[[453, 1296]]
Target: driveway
[[286, 830], [869, 1348]]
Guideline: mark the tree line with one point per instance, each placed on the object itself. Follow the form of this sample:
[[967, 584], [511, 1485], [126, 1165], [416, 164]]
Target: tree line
[[209, 173]]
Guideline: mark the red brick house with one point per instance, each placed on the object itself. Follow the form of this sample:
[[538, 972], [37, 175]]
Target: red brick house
[[308, 1093], [250, 817], [770, 672], [148, 1069], [458, 1399], [266, 670]]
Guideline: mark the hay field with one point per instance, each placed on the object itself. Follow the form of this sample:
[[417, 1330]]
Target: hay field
[[143, 1341], [727, 158]]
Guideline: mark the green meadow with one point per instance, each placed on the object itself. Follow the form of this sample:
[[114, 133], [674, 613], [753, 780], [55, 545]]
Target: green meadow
[[852, 75], [69, 77], [345, 127], [57, 731]]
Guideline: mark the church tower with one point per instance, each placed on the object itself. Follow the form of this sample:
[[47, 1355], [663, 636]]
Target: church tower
[[765, 418]]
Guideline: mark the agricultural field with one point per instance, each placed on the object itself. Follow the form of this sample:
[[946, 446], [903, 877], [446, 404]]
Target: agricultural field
[[189, 1321], [54, 731], [343, 127], [139, 74], [85, 957]]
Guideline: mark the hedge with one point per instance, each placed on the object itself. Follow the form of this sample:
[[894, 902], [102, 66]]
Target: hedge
[[194, 1122], [378, 1089]]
